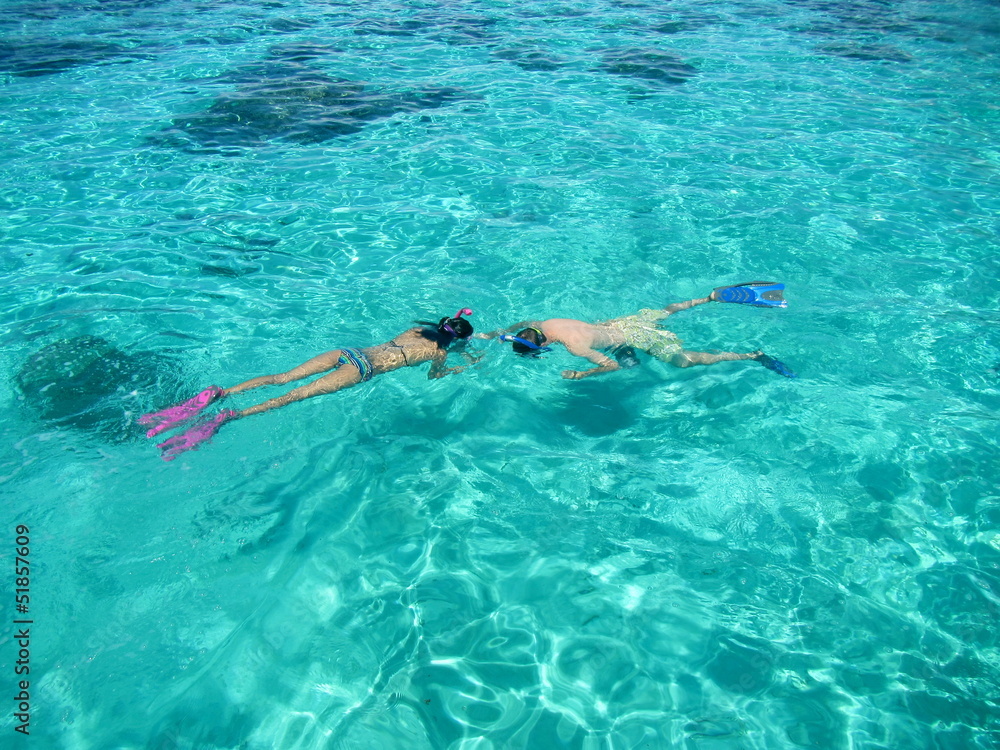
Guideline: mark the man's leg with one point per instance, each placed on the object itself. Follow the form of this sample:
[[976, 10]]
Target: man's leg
[[678, 306], [685, 358]]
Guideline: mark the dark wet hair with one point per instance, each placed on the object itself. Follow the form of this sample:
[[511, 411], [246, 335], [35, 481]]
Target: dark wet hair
[[533, 335], [448, 330]]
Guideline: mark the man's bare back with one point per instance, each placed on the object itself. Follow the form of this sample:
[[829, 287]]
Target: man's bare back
[[641, 331]]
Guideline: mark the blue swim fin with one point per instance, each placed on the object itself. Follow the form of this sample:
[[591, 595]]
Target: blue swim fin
[[779, 367], [759, 293]]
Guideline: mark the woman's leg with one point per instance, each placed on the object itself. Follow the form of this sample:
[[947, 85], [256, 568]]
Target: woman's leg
[[685, 358], [314, 366], [344, 377]]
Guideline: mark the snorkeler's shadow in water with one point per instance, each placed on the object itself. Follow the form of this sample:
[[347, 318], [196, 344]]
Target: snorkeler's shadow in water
[[599, 408], [88, 383]]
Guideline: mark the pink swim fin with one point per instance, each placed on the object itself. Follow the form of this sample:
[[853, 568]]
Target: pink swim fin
[[170, 417], [195, 436]]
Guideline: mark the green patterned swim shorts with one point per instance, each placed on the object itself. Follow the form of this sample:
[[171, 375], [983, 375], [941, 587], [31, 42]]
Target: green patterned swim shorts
[[640, 331]]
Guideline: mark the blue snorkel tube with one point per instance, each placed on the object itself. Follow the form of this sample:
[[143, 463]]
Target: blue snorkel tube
[[535, 348]]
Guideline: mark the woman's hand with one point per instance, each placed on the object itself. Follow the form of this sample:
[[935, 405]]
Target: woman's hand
[[436, 373]]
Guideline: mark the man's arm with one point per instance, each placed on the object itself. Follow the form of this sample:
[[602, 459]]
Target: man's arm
[[509, 329], [604, 364]]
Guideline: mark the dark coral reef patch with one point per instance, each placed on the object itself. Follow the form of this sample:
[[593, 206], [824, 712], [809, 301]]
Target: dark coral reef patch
[[287, 99], [648, 65], [455, 30], [29, 58], [528, 58]]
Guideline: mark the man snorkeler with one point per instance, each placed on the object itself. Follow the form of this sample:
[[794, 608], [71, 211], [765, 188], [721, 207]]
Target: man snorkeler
[[429, 343], [620, 337]]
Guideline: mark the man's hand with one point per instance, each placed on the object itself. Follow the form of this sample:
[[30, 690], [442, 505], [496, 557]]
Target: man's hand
[[573, 374], [509, 329]]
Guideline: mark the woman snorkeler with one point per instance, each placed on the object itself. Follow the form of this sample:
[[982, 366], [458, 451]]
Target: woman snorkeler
[[428, 343]]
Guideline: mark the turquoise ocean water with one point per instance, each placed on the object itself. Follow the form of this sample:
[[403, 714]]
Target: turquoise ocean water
[[711, 558]]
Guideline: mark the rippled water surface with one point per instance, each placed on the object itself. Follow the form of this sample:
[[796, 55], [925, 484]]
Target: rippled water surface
[[711, 558]]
